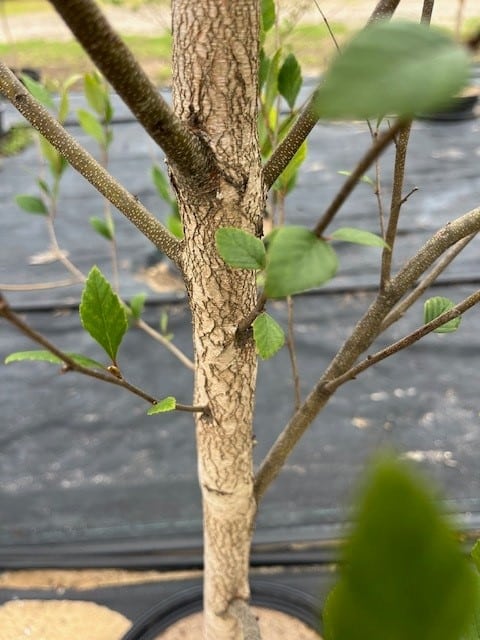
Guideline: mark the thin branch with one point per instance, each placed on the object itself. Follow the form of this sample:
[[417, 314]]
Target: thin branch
[[40, 286], [293, 354], [87, 166], [71, 365], [405, 342], [186, 151], [427, 11], [327, 24], [384, 10], [362, 336], [379, 145], [396, 202], [244, 324], [399, 310], [141, 324], [240, 610], [308, 117]]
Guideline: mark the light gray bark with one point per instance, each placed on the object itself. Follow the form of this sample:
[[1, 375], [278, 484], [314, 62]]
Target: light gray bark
[[215, 93]]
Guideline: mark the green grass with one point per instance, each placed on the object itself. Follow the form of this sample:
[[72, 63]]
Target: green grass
[[21, 7], [59, 60]]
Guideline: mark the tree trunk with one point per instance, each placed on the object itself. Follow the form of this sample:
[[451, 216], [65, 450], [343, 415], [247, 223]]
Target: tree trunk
[[215, 92]]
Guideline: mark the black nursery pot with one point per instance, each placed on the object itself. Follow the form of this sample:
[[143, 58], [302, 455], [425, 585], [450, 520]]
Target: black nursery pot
[[287, 600]]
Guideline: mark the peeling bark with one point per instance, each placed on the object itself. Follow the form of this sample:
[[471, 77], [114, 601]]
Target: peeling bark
[[215, 94]]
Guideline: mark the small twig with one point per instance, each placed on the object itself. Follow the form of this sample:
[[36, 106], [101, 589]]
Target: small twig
[[379, 145], [240, 610], [40, 286], [293, 354], [401, 147], [71, 365], [427, 11], [87, 166], [399, 310], [244, 324], [327, 24], [405, 342], [156, 335]]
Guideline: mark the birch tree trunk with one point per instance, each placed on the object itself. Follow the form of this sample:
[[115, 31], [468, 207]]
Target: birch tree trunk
[[215, 93]]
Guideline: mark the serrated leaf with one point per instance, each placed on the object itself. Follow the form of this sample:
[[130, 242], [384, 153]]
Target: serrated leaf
[[47, 356], [296, 261], [239, 249], [393, 67], [95, 92], [32, 204], [102, 313], [290, 79], [38, 91], [434, 307], [403, 574], [358, 236], [102, 227], [137, 304], [167, 404], [268, 336], [92, 126], [161, 183], [268, 14]]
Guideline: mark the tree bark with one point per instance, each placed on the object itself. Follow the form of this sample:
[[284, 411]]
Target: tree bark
[[215, 58]]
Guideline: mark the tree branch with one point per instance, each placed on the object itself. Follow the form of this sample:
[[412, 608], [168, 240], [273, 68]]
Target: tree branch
[[379, 145], [405, 342], [308, 117], [188, 153], [396, 202], [87, 166], [362, 336], [71, 365], [240, 610]]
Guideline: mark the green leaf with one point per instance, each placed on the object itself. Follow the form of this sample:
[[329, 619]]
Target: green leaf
[[102, 227], [263, 66], [393, 68], [296, 261], [92, 126], [56, 161], [365, 179], [476, 554], [271, 84], [95, 92], [38, 91], [167, 404], [268, 14], [290, 79], [63, 106], [44, 186], [403, 574], [175, 226], [137, 304], [102, 313], [239, 249], [47, 356], [473, 631], [434, 307], [32, 204], [162, 184], [358, 236], [268, 335]]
